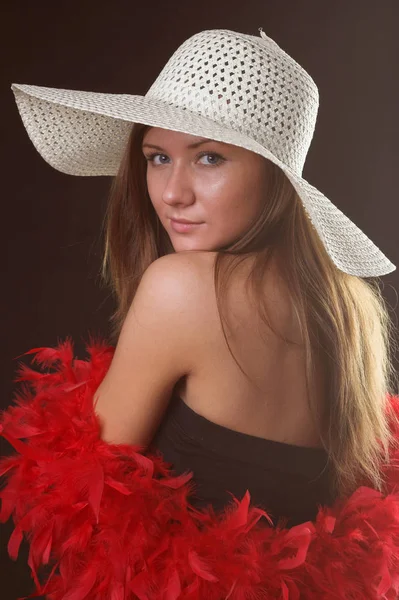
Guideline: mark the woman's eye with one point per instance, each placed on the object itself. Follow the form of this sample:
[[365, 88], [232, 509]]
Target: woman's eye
[[151, 158], [216, 158]]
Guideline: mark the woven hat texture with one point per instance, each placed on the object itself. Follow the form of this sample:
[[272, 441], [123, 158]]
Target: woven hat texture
[[229, 86]]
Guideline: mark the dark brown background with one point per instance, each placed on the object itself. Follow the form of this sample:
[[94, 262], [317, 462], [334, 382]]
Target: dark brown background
[[51, 252]]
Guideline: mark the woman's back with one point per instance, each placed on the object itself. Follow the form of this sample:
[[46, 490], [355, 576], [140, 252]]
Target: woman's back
[[276, 408]]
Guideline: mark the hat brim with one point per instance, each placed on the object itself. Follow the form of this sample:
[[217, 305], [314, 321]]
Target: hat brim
[[85, 133]]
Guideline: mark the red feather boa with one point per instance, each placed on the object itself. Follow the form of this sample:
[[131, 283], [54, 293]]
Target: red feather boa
[[118, 525]]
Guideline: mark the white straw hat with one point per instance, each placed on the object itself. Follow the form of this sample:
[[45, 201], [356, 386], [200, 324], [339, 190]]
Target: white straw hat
[[227, 86]]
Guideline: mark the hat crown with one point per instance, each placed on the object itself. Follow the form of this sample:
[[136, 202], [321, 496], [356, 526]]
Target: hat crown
[[246, 83]]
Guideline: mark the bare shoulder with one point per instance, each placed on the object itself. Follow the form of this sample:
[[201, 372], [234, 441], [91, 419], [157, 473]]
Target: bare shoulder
[[157, 347], [182, 274], [188, 261]]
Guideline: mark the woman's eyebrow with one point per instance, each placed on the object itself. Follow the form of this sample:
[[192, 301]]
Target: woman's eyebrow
[[194, 145]]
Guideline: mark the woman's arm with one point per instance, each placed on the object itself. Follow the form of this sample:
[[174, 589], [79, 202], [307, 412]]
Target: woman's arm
[[156, 347]]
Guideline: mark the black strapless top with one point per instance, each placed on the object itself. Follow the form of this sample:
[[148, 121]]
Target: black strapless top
[[285, 480]]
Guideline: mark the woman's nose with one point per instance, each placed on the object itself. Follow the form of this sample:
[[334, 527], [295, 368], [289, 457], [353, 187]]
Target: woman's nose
[[178, 187]]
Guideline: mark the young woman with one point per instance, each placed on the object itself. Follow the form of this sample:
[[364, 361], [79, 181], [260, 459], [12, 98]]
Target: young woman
[[238, 436]]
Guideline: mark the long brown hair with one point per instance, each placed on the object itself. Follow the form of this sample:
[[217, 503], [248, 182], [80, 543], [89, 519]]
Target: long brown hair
[[342, 317]]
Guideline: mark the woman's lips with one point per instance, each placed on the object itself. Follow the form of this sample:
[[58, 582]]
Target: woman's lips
[[183, 227]]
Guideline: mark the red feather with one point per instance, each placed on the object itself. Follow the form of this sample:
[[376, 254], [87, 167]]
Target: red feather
[[117, 524]]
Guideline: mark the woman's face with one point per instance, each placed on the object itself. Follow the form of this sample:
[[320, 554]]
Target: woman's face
[[219, 186]]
